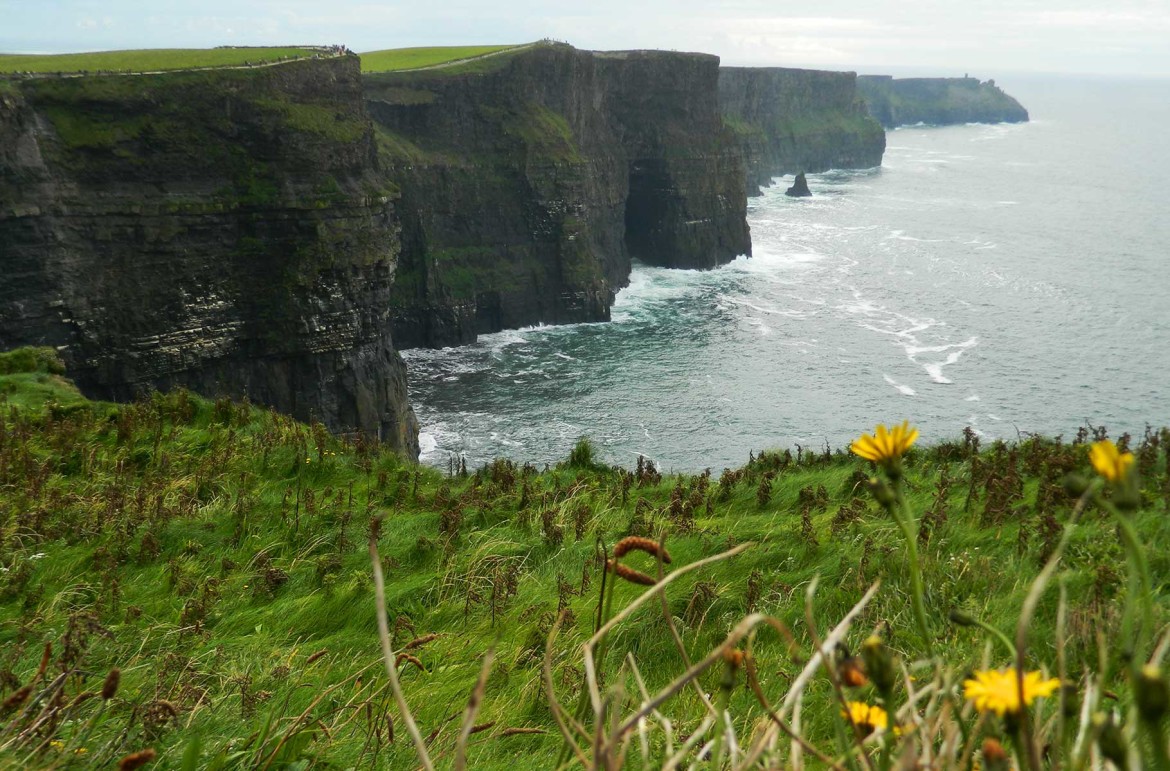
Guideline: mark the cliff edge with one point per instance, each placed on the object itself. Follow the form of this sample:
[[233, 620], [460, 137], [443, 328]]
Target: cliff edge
[[789, 121], [224, 230], [938, 101], [531, 179]]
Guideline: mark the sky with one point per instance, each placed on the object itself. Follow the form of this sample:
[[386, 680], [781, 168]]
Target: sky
[[940, 37]]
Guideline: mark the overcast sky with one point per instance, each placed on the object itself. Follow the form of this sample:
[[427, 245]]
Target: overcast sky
[[944, 37]]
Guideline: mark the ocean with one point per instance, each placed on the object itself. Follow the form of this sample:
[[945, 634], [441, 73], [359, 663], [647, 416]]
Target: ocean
[[1010, 278]]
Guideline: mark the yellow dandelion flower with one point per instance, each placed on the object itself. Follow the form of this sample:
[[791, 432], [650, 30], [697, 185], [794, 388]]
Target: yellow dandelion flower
[[998, 691], [1109, 461], [867, 717], [886, 444]]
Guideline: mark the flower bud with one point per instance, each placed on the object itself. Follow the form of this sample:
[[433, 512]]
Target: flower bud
[[881, 491], [959, 618], [1075, 485], [733, 660], [1127, 498], [1152, 694], [879, 664], [1110, 741], [1070, 700]]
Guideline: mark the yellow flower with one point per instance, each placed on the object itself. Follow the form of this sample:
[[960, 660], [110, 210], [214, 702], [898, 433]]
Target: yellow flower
[[1109, 462], [866, 717], [886, 444], [998, 690]]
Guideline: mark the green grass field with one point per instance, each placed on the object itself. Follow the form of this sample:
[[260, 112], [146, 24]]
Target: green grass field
[[147, 60], [217, 554], [413, 58]]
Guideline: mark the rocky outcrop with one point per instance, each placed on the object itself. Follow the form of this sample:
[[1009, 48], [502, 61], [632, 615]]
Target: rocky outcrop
[[799, 188], [791, 120], [228, 231], [938, 101], [530, 180]]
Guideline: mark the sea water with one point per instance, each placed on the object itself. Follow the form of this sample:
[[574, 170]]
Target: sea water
[[1010, 278]]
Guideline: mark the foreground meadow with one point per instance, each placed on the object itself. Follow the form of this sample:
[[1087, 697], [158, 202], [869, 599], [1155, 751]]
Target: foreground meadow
[[196, 584]]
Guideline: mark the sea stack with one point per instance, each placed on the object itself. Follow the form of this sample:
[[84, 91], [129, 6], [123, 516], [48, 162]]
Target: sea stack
[[799, 187]]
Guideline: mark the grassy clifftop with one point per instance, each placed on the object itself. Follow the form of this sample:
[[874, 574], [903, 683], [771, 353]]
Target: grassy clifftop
[[218, 556], [395, 59], [938, 101], [152, 60]]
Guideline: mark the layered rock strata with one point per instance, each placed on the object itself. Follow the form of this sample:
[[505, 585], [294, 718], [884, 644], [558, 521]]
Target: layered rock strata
[[227, 231], [789, 121], [529, 182]]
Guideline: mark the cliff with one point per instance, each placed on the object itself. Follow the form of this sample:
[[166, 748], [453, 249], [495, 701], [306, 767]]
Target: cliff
[[937, 101], [227, 231], [530, 180], [790, 120]]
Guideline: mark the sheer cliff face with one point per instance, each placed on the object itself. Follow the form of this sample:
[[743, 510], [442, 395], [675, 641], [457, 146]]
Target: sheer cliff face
[[528, 184], [938, 101], [225, 231], [789, 121]]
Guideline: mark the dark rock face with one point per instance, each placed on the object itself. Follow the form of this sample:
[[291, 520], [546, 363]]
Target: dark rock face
[[791, 120], [528, 185], [937, 101], [799, 188], [226, 231]]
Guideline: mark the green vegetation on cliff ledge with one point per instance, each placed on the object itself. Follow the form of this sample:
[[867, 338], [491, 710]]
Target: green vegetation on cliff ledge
[[150, 60], [394, 59], [218, 556]]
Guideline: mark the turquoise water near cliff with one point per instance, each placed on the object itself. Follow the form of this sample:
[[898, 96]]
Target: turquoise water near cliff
[[1011, 278]]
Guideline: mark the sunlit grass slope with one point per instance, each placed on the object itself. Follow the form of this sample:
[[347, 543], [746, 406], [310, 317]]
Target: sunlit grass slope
[[218, 555], [413, 58], [148, 60]]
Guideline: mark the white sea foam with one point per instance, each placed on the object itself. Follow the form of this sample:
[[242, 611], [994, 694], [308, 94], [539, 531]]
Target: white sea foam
[[427, 444], [900, 235], [902, 389]]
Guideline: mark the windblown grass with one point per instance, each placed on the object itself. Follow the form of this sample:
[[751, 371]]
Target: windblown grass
[[217, 555], [394, 59], [150, 60]]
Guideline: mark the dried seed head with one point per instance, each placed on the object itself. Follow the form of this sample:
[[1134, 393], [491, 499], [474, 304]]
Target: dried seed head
[[852, 672], [136, 760], [636, 543], [45, 657], [631, 575], [476, 729], [316, 656], [110, 686], [995, 757], [418, 642], [15, 700], [409, 659]]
